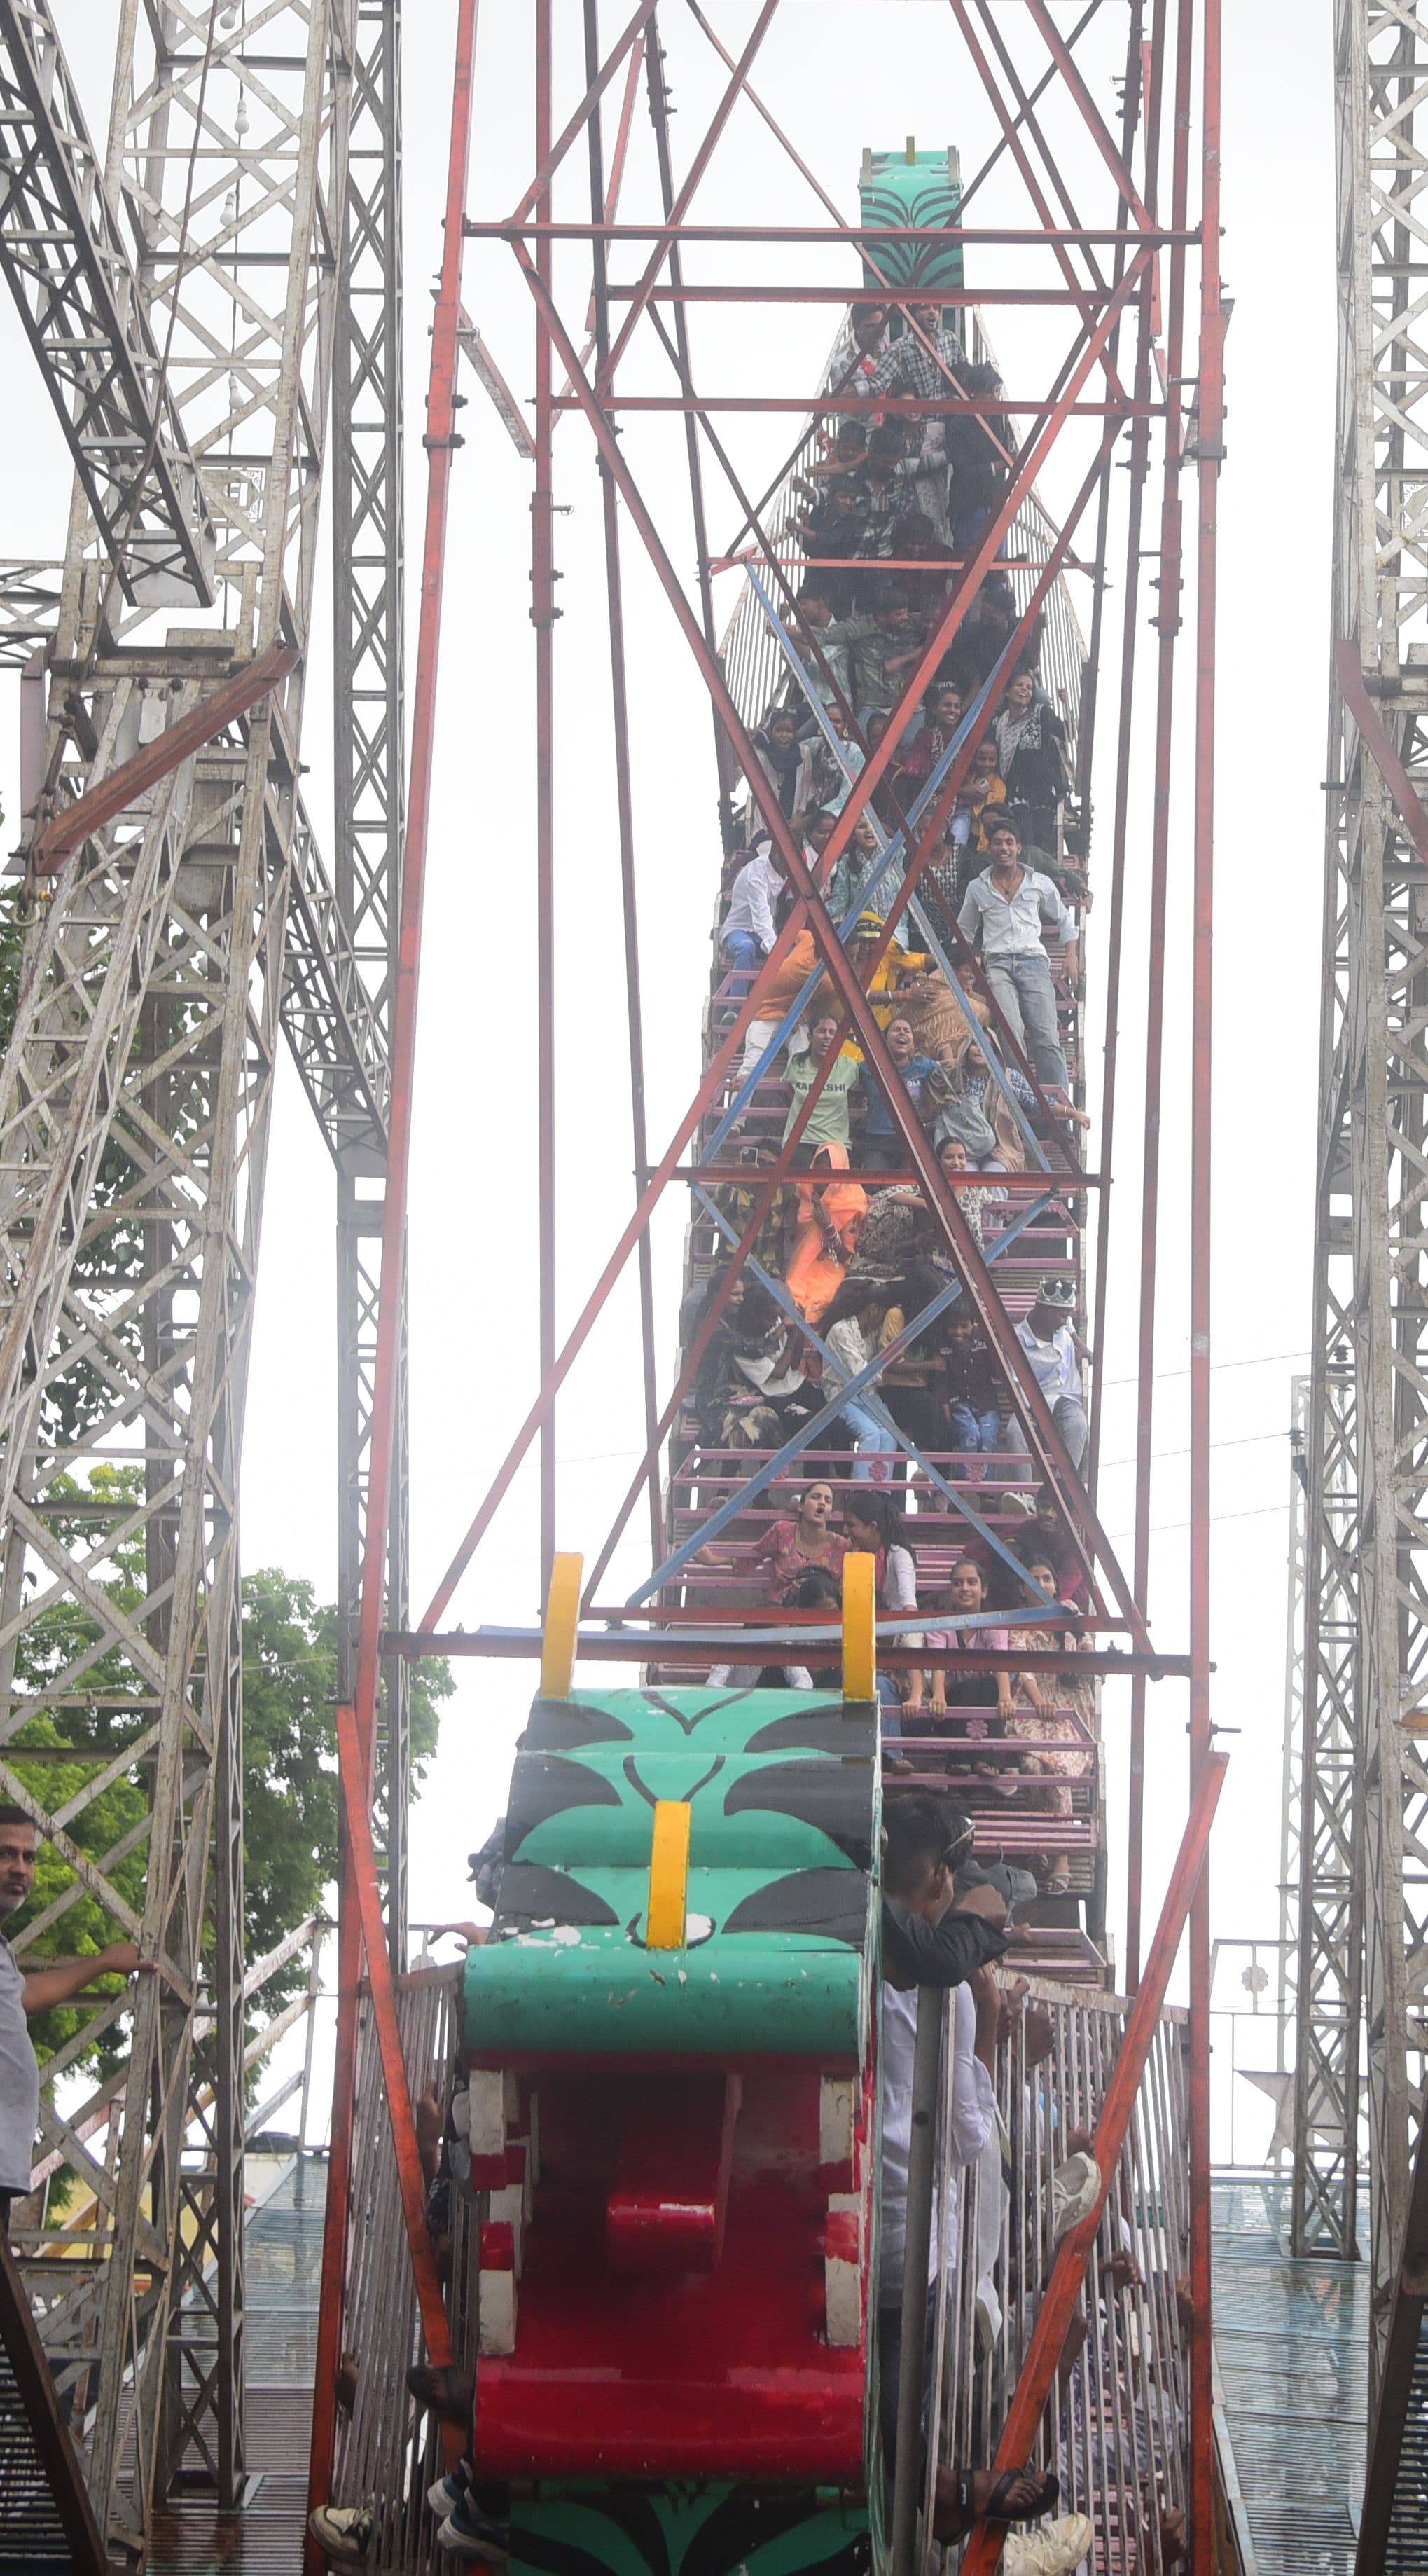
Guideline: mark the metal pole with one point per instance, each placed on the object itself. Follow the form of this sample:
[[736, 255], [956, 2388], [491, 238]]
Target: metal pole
[[1292, 1769], [624, 806], [1209, 451], [1167, 623], [440, 443], [543, 615], [659, 119], [1130, 628], [917, 2249]]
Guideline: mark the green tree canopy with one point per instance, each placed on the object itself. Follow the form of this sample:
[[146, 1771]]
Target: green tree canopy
[[289, 1759]]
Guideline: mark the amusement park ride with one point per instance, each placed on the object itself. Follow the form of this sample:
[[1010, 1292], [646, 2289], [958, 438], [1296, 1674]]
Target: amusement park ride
[[661, 2270]]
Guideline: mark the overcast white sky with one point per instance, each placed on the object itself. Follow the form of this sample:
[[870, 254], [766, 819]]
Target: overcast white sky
[[838, 77]]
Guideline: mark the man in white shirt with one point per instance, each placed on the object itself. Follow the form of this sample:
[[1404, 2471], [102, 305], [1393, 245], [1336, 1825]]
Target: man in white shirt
[[928, 1939], [934, 1938], [21, 1995], [1048, 1337], [748, 931], [1011, 905]]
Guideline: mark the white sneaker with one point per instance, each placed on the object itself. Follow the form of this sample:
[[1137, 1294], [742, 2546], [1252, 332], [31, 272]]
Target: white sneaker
[[343, 2530], [1075, 2189], [1052, 2549], [478, 2545]]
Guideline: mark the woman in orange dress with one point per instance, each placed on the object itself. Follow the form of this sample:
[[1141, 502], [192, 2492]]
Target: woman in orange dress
[[829, 1218]]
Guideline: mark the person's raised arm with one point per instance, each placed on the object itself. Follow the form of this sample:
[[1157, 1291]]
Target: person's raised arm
[[46, 1987], [918, 1953], [987, 1996]]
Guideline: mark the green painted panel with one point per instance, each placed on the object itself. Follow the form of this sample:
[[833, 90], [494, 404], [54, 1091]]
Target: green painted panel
[[782, 1789], [757, 1838], [925, 190], [694, 2530], [589, 1987]]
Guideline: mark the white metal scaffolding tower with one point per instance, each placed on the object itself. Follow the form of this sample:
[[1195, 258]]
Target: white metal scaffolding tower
[[1363, 1935], [202, 298]]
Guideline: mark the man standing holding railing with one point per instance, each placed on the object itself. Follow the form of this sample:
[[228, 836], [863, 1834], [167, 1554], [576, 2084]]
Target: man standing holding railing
[[933, 1938], [21, 1995]]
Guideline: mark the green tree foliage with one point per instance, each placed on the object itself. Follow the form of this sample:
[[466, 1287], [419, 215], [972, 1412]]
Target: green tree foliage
[[289, 1755]]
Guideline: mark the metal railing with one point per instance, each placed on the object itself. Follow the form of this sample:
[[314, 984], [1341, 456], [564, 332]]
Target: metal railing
[[388, 2448], [58, 2251], [1116, 2427]]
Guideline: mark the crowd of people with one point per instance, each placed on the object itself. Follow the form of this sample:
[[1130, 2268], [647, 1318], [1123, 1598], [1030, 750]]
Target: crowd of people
[[847, 1329]]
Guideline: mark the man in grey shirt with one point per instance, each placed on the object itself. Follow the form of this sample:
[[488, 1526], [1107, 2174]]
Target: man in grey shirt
[[1011, 905], [21, 1995]]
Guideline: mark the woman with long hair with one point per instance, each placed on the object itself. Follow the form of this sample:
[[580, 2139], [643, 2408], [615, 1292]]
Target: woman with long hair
[[829, 1220], [874, 1526], [1032, 757], [961, 1099], [796, 1544], [818, 1588], [1036, 1721], [977, 1698]]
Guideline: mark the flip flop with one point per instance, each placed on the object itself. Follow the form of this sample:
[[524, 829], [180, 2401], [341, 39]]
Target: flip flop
[[999, 2507]]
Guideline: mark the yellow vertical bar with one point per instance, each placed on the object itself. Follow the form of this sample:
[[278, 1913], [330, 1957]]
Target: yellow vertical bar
[[669, 1875], [562, 1618], [859, 1627]]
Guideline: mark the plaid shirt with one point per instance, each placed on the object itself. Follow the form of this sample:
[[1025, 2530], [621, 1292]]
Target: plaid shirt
[[910, 368], [879, 509]]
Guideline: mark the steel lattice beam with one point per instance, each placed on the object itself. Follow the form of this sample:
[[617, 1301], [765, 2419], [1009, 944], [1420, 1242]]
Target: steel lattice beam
[[135, 1097], [370, 755], [70, 265], [1364, 1836]]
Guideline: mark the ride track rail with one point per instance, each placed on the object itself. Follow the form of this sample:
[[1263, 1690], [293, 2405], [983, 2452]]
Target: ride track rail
[[1163, 175]]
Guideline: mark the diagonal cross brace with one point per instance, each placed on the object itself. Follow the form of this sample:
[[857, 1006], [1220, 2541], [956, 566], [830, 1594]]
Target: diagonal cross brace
[[1046, 1440], [875, 1403]]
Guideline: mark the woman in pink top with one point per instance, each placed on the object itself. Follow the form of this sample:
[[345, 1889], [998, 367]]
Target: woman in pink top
[[789, 1547]]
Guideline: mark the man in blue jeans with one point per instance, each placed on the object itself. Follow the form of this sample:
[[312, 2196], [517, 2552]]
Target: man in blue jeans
[[748, 930], [1011, 906]]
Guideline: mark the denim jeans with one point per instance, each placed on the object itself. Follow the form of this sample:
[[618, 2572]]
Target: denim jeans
[[1021, 988], [741, 950], [1069, 1415], [873, 1441], [966, 529], [975, 1430]]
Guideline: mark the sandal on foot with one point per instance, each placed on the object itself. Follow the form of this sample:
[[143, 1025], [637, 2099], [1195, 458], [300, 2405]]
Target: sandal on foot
[[999, 2507], [1045, 2484]]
